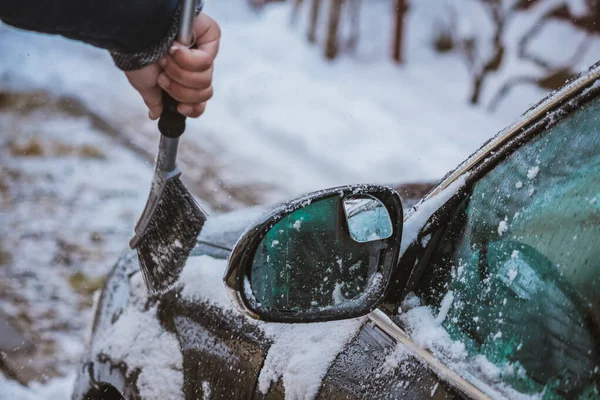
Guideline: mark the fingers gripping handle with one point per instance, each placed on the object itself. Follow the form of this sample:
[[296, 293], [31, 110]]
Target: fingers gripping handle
[[172, 124]]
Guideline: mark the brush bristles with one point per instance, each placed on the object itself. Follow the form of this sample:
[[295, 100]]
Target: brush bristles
[[170, 237]]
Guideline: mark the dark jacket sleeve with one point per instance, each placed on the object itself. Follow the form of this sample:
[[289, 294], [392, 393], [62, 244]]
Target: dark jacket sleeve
[[137, 32], [127, 26]]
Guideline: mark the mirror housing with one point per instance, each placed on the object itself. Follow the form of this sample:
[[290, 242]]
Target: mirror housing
[[379, 250]]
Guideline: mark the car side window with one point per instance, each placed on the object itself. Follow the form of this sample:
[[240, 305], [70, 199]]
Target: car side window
[[518, 264]]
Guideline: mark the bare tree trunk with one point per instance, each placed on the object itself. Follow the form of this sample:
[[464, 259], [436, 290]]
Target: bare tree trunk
[[554, 75], [295, 11], [354, 11], [476, 91], [313, 21], [332, 44], [401, 7], [492, 64]]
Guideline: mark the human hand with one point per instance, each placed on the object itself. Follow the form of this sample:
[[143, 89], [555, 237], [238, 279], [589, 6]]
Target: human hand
[[145, 81], [186, 74]]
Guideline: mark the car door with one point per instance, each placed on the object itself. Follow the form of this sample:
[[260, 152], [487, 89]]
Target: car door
[[505, 278]]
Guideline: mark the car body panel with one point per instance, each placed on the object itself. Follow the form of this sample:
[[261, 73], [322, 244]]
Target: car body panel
[[373, 366], [223, 352]]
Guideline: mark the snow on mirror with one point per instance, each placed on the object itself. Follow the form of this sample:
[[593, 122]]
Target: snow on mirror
[[307, 261], [367, 217]]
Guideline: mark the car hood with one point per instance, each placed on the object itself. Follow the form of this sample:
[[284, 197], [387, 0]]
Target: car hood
[[220, 233], [118, 299], [217, 238]]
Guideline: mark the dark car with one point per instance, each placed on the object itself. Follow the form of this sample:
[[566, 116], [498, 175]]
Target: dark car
[[487, 288]]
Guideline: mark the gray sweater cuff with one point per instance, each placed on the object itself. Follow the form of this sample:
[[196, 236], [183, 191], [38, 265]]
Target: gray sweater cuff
[[132, 61]]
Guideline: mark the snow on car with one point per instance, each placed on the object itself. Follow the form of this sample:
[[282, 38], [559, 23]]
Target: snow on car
[[493, 295]]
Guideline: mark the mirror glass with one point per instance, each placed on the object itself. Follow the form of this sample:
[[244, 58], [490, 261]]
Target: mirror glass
[[308, 261], [367, 217]]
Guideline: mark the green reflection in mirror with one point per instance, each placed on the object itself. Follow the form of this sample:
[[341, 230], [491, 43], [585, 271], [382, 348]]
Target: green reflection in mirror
[[368, 219], [308, 261]]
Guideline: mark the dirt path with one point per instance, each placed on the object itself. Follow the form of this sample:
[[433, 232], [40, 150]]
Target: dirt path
[[71, 189]]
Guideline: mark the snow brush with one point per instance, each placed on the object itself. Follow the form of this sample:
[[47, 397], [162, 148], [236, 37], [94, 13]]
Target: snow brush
[[171, 221]]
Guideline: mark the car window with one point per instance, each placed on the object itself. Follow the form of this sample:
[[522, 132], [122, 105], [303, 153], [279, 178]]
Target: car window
[[518, 264]]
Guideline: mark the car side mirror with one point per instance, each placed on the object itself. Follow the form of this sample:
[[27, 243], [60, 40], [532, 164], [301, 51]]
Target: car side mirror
[[325, 256]]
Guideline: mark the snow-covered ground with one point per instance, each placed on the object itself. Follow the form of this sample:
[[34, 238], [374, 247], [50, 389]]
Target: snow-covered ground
[[57, 389], [69, 195], [283, 121], [284, 118]]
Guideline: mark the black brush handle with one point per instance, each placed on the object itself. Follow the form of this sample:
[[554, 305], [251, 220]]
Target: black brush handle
[[171, 124]]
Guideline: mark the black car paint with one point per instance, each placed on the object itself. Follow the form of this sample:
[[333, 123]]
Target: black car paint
[[356, 373], [237, 376]]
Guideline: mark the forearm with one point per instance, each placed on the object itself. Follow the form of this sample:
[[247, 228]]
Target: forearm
[[128, 61], [137, 32]]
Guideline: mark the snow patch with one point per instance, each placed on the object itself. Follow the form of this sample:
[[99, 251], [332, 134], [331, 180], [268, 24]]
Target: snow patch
[[489, 370], [503, 226], [206, 390], [425, 240], [138, 339], [55, 389], [532, 172], [445, 307], [338, 297], [410, 301], [429, 334], [297, 225], [395, 361], [202, 280], [421, 212], [302, 353], [249, 292], [426, 332]]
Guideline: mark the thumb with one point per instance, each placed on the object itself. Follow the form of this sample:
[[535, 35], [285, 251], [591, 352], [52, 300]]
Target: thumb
[[208, 34]]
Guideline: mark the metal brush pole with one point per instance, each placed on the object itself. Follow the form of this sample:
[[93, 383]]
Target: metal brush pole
[[172, 124], [185, 35]]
